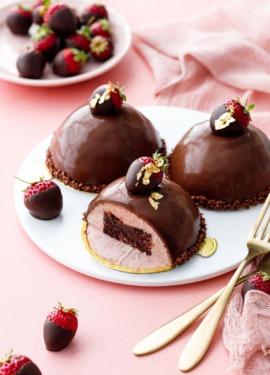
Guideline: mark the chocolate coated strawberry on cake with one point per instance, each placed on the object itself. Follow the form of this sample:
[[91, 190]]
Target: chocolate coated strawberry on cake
[[153, 229], [97, 142], [224, 163]]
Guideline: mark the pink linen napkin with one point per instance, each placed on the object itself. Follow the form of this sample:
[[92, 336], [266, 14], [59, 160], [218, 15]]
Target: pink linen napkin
[[223, 53]]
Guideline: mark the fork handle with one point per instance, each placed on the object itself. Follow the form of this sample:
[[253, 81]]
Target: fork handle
[[202, 337]]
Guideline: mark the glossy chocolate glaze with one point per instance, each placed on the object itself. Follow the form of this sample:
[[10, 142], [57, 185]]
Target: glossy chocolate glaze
[[55, 337], [222, 168], [95, 150], [177, 218], [29, 368]]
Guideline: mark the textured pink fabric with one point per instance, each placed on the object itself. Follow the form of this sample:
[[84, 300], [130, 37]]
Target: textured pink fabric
[[221, 54]]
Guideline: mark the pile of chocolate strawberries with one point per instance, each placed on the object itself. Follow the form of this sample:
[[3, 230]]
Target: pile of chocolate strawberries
[[60, 37]]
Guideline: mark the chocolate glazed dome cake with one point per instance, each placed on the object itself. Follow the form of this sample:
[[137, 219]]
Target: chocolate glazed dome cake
[[97, 142], [224, 165], [143, 231]]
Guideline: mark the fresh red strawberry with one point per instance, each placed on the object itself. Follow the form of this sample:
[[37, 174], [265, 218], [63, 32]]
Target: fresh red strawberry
[[61, 19], [101, 27], [259, 281], [69, 61], [60, 327], [80, 40], [31, 64], [46, 41], [43, 199], [106, 99], [94, 12], [101, 48], [19, 19], [230, 118], [16, 364], [145, 173]]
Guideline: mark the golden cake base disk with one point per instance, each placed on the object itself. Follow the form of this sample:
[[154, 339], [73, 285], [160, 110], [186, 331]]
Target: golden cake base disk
[[208, 248], [116, 266]]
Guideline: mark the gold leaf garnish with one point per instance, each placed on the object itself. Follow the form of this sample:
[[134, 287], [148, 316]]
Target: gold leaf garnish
[[154, 196], [94, 101], [224, 120], [148, 170]]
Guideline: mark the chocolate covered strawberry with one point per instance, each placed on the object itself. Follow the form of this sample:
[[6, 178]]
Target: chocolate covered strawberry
[[60, 327], [68, 62], [19, 19], [80, 39], [259, 281], [61, 19], [232, 117], [106, 99], [18, 364], [39, 10], [94, 12], [145, 173], [46, 41], [43, 199], [101, 27], [101, 48], [31, 64]]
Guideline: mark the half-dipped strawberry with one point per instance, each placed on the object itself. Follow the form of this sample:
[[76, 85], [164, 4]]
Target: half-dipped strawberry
[[43, 199], [18, 364], [94, 12], [101, 48], [19, 19], [101, 27], [69, 62], [259, 281], [231, 117], [39, 10], [80, 39], [46, 41], [106, 99], [61, 19], [145, 173], [31, 64], [60, 327]]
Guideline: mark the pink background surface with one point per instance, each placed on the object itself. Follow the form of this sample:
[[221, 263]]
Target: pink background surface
[[112, 317]]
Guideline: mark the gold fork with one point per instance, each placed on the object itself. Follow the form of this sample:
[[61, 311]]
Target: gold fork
[[258, 244], [166, 333]]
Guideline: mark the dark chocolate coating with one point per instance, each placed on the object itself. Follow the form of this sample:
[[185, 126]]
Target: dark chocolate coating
[[60, 67], [56, 338], [105, 108], [37, 17], [29, 368], [177, 218], [221, 168], [18, 23], [63, 21], [95, 150], [136, 186], [233, 129], [31, 64], [45, 205], [246, 287]]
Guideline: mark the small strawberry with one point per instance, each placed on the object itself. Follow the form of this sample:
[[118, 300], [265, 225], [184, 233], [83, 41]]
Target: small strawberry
[[80, 39], [39, 9], [60, 327], [101, 48], [68, 62], [101, 27], [18, 364], [106, 99], [43, 199], [61, 19], [145, 173], [259, 281], [94, 12], [19, 19], [31, 64], [46, 41], [230, 118]]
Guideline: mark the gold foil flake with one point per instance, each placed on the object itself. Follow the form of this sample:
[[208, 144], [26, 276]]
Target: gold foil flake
[[154, 197], [148, 170], [208, 247], [94, 101], [224, 120], [105, 95]]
